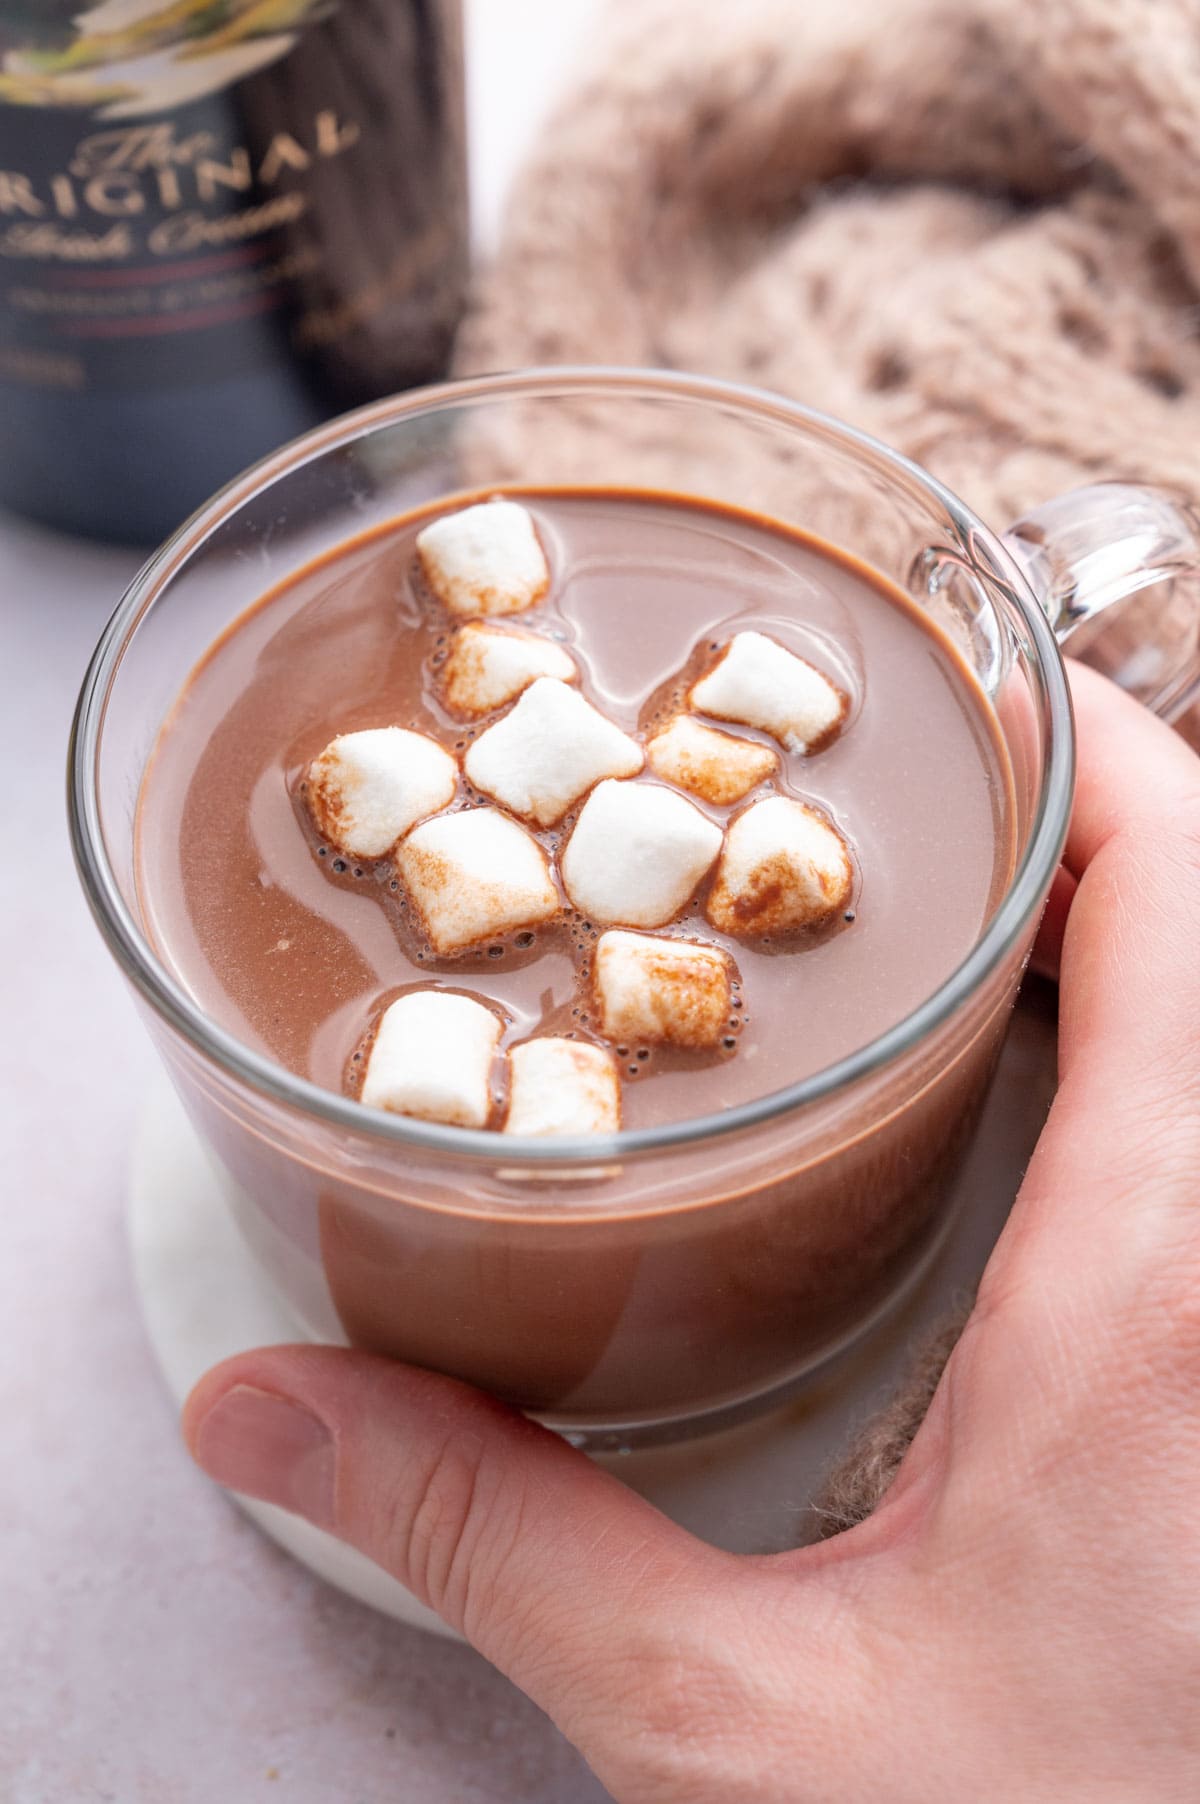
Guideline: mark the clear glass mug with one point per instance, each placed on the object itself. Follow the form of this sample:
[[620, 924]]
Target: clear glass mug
[[660, 1281]]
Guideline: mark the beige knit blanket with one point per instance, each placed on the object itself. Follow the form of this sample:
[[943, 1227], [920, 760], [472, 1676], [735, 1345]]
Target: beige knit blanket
[[970, 226]]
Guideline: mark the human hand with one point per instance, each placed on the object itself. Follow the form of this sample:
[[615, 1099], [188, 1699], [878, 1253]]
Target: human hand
[[1020, 1618]]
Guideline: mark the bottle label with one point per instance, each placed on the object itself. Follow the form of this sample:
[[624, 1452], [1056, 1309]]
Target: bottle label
[[171, 173]]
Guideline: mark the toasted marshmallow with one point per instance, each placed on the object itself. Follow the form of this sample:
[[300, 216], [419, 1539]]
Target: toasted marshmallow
[[489, 666], [758, 683], [676, 992], [562, 1087], [366, 789], [547, 751], [486, 559], [783, 867], [473, 875], [636, 854], [713, 765], [432, 1058]]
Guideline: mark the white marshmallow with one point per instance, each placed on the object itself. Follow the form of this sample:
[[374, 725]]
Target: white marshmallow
[[562, 1087], [547, 751], [636, 854], [368, 788], [474, 874], [432, 1058], [485, 559], [676, 992], [713, 765], [489, 666], [783, 867], [758, 683]]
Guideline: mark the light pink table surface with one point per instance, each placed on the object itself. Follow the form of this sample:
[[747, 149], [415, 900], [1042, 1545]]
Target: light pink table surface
[[154, 1647]]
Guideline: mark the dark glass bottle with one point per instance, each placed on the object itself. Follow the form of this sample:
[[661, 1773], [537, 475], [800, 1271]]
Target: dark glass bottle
[[221, 221]]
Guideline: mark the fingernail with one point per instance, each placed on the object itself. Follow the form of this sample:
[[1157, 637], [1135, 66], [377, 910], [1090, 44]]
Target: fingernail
[[270, 1448]]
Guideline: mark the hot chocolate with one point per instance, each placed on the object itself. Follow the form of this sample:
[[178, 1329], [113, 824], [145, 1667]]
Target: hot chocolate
[[652, 1285], [656, 608]]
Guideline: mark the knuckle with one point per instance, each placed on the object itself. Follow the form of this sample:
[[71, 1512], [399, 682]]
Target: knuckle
[[691, 1715], [434, 1525], [456, 1532]]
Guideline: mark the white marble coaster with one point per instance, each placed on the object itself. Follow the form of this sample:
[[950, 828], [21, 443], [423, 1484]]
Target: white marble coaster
[[746, 1489]]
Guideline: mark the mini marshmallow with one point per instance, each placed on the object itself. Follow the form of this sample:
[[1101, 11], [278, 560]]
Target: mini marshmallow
[[475, 874], [432, 1058], [636, 854], [713, 765], [366, 789], [485, 559], [562, 1087], [758, 683], [547, 751], [676, 992], [488, 666], [783, 867]]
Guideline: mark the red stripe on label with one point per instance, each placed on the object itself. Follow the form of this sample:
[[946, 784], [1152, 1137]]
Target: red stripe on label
[[168, 272], [197, 319]]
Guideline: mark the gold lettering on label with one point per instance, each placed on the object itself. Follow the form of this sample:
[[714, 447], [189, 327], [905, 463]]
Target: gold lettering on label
[[170, 193], [282, 153], [134, 170], [17, 196], [332, 135], [45, 369], [114, 195], [212, 177], [195, 231], [142, 148], [63, 190], [48, 240]]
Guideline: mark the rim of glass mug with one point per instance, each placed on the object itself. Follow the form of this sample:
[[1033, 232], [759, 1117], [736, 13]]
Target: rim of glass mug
[[166, 996]]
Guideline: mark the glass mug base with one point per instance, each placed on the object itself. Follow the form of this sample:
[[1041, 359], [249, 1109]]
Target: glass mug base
[[643, 1282]]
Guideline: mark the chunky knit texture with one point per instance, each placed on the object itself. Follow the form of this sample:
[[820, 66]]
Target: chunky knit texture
[[970, 226], [867, 1466]]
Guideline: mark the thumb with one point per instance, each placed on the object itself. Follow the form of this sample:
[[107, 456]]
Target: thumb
[[563, 1578]]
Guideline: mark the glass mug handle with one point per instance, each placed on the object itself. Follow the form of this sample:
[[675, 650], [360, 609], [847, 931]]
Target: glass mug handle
[[1117, 569]]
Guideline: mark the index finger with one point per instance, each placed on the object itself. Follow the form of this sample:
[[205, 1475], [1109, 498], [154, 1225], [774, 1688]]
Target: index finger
[[1125, 1126], [1133, 769], [1130, 987]]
